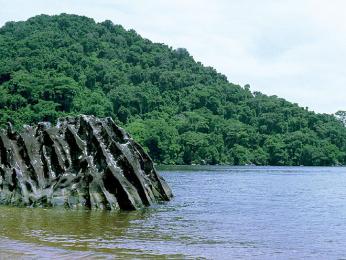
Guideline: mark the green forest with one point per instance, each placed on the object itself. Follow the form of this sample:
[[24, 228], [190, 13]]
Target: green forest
[[181, 111]]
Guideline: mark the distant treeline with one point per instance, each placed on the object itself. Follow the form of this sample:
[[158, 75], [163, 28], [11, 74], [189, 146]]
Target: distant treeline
[[181, 111]]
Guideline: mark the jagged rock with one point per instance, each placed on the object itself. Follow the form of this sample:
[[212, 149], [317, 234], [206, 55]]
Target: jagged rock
[[81, 162]]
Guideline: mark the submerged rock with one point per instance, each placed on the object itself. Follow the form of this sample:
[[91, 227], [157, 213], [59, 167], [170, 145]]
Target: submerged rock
[[81, 162]]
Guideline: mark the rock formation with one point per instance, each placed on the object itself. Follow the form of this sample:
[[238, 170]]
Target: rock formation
[[82, 162]]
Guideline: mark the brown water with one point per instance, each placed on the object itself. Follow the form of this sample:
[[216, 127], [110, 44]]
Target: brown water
[[60, 233], [217, 213]]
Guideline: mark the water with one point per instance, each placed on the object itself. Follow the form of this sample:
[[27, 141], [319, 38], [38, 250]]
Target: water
[[217, 212]]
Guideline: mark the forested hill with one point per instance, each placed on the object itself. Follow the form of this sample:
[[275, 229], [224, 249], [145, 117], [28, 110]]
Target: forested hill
[[180, 110]]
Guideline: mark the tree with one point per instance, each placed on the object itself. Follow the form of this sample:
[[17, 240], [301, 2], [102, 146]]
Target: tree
[[341, 115]]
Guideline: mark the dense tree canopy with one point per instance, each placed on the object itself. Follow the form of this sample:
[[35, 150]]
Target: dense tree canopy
[[181, 111]]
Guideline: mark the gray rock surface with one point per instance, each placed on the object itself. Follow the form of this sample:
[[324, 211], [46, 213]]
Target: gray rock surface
[[82, 162]]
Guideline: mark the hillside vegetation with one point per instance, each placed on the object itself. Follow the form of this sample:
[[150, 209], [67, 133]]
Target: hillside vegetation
[[181, 111]]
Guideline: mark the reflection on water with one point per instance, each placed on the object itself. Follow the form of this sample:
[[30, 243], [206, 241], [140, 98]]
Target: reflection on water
[[120, 233], [217, 212]]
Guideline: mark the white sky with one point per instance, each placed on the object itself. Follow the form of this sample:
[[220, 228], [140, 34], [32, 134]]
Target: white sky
[[295, 49]]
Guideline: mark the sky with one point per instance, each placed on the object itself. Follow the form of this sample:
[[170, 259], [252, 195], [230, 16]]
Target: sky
[[295, 49]]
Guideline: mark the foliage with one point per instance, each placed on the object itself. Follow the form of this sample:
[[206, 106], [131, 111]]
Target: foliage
[[341, 115], [179, 110]]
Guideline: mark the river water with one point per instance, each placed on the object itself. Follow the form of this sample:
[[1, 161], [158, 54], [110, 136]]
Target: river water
[[217, 213]]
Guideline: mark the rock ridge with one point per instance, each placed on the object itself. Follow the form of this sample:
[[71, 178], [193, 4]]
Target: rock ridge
[[82, 162]]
